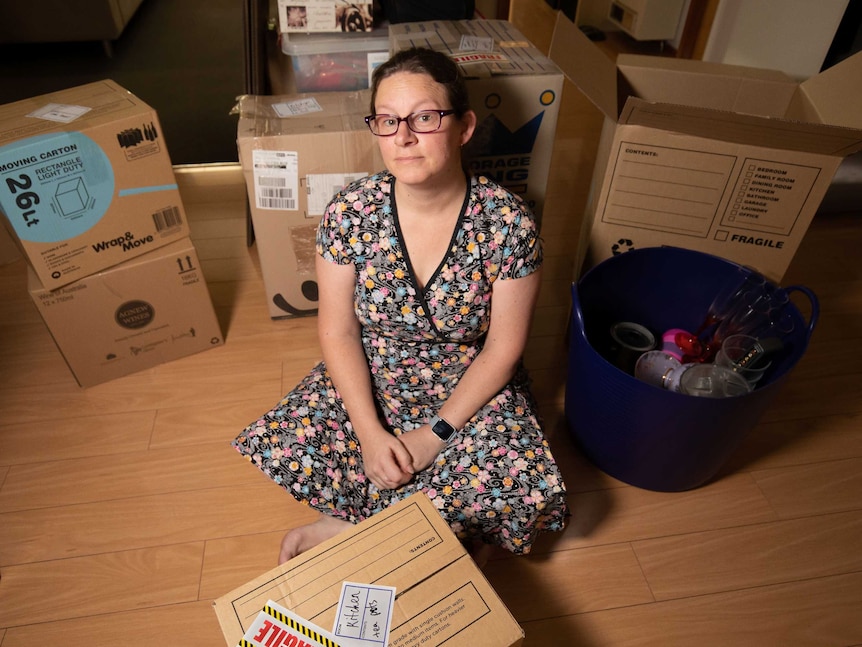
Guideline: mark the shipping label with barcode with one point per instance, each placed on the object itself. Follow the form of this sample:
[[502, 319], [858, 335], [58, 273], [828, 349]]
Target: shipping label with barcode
[[323, 186], [276, 179]]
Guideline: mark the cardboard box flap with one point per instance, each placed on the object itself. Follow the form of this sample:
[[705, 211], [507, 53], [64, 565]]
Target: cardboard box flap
[[585, 65], [404, 544], [733, 88], [743, 129], [269, 116], [834, 95]]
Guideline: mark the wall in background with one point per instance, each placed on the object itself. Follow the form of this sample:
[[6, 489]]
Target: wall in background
[[788, 35]]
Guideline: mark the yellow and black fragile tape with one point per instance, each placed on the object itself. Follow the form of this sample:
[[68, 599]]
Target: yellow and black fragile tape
[[296, 626]]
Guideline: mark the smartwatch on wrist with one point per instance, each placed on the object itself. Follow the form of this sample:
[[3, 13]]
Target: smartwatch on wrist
[[442, 429]]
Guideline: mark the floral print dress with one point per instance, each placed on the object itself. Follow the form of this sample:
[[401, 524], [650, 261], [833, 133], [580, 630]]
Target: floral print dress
[[496, 480]]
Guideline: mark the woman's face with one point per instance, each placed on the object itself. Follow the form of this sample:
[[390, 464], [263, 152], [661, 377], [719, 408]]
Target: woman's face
[[421, 159]]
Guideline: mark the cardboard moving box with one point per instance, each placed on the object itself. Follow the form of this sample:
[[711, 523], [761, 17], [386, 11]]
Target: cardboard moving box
[[296, 152], [515, 91], [726, 160], [86, 181], [442, 598], [133, 316]]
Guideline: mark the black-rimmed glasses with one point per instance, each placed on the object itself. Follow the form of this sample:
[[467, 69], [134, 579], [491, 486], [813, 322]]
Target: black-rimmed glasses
[[424, 121]]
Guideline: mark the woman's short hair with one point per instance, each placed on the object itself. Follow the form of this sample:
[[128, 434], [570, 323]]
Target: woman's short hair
[[420, 60]]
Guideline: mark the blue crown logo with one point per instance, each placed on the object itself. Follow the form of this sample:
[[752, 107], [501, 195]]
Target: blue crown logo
[[493, 138]]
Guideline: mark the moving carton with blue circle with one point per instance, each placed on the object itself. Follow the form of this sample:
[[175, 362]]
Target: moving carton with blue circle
[[86, 181]]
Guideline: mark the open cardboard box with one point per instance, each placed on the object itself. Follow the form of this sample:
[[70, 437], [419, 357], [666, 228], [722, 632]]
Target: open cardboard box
[[442, 598], [726, 160]]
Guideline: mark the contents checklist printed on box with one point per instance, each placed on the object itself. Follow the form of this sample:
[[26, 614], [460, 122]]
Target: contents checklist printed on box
[[440, 595]]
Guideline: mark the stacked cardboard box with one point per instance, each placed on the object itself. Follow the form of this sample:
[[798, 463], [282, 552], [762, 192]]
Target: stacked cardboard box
[[296, 151], [515, 91], [89, 195], [727, 160]]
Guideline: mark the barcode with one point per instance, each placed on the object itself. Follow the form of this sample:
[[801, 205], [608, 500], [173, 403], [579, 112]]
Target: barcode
[[167, 218], [282, 198], [267, 180]]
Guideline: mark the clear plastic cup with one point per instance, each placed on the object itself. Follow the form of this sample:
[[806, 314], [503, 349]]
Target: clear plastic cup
[[745, 355], [712, 381]]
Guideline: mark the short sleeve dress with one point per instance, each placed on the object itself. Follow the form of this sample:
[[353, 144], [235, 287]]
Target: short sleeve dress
[[497, 480]]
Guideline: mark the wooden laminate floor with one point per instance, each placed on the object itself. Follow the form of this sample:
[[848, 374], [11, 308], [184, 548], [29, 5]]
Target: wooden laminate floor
[[124, 512]]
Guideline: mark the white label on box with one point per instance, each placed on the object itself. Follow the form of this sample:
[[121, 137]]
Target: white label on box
[[59, 112], [276, 179], [321, 188], [275, 625], [471, 43], [324, 15], [364, 614], [306, 15], [297, 108], [375, 60]]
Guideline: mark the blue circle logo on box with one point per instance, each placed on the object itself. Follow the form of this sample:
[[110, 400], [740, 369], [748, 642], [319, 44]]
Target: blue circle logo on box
[[54, 187]]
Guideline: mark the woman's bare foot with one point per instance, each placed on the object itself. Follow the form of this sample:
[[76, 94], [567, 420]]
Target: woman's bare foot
[[300, 539], [480, 552]]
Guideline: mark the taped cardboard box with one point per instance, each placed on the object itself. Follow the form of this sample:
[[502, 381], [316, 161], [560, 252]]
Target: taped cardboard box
[[442, 598], [722, 159], [133, 316], [515, 91], [296, 152], [86, 181]]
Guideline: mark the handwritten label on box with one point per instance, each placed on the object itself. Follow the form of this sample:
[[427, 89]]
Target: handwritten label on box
[[364, 614]]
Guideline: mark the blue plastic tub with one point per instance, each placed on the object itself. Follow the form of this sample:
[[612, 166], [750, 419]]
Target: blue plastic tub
[[639, 433]]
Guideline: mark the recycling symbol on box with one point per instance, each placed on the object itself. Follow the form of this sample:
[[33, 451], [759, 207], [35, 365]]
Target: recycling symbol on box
[[621, 246]]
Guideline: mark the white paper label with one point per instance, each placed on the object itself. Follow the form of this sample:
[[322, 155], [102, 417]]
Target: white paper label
[[364, 615], [297, 108], [59, 112], [276, 179], [476, 44], [323, 186]]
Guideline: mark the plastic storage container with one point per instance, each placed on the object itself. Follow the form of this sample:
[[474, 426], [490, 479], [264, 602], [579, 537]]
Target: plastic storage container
[[333, 62], [634, 431]]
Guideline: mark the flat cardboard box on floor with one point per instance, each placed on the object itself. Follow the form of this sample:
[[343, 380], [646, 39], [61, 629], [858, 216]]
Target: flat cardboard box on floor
[[296, 152], [133, 316], [515, 91], [441, 596], [727, 160], [86, 181]]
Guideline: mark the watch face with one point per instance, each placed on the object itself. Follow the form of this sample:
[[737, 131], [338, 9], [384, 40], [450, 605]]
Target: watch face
[[442, 429]]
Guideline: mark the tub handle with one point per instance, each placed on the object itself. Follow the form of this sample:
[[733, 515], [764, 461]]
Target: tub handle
[[814, 302]]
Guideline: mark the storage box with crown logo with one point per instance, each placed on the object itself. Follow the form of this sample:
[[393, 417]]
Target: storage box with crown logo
[[514, 89], [86, 181], [139, 314]]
